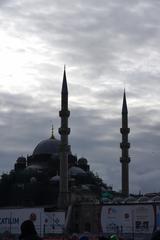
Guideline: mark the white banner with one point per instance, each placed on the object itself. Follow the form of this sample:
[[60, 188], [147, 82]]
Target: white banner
[[116, 219], [54, 222], [45, 222], [127, 219], [144, 219]]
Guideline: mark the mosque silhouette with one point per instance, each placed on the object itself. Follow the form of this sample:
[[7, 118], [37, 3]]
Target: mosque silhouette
[[37, 180]]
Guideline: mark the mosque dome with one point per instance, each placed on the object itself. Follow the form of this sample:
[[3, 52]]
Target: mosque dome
[[21, 159], [55, 178], [156, 199], [35, 167], [130, 199], [143, 199], [49, 146], [75, 171], [118, 200], [82, 161]]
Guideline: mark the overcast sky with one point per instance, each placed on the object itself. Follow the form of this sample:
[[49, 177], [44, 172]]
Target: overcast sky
[[106, 46]]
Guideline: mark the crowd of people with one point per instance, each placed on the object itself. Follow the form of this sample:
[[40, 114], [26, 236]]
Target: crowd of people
[[155, 236], [28, 232]]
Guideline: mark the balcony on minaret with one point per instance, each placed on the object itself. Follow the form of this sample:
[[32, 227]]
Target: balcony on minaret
[[64, 113], [124, 130], [64, 131], [124, 145], [125, 160]]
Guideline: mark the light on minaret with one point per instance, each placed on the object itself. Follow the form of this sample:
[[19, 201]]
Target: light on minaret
[[64, 132], [125, 145]]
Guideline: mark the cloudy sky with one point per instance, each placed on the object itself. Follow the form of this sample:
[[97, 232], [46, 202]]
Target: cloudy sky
[[106, 46]]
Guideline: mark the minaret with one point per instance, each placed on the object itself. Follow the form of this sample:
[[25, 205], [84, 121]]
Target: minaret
[[52, 133], [125, 145], [64, 132]]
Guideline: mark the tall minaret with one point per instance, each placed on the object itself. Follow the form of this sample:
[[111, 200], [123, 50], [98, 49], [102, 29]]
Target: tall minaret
[[64, 132], [125, 145]]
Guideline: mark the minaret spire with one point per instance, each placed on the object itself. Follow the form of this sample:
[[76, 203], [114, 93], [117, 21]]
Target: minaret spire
[[124, 107], [64, 84], [125, 145], [64, 132], [52, 133]]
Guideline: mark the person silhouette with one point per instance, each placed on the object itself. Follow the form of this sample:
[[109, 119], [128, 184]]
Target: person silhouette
[[28, 231]]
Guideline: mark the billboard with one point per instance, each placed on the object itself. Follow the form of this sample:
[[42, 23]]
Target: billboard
[[128, 220], [158, 217], [45, 222], [116, 219], [54, 222], [143, 218], [11, 219]]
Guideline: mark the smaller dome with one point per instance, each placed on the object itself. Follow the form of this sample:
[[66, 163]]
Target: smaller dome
[[106, 200], [130, 199], [74, 171], [82, 161], [117, 200], [156, 199], [55, 178], [143, 199], [35, 167], [21, 160], [33, 179], [85, 187]]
